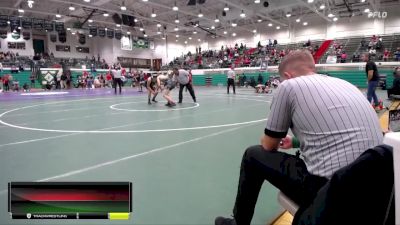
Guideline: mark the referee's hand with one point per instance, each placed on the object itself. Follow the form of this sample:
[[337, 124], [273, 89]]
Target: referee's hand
[[286, 143]]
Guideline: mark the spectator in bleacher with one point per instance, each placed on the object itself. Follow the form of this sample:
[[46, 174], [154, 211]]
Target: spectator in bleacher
[[328, 124], [363, 42], [32, 78], [373, 79], [370, 45], [343, 57], [397, 54], [386, 54], [395, 90], [275, 42]]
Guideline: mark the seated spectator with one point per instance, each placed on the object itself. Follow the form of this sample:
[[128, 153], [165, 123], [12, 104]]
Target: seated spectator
[[397, 54], [386, 54], [395, 90], [363, 42], [26, 87], [343, 57]]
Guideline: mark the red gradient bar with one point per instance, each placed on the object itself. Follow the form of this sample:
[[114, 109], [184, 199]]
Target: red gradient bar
[[72, 195]]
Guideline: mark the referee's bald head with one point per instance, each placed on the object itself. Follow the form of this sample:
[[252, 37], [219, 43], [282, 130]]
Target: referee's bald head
[[297, 63]]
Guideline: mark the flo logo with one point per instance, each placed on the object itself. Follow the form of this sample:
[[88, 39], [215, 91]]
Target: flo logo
[[28, 215], [377, 15]]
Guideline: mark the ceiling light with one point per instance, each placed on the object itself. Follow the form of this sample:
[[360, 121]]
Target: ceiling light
[[153, 14], [68, 28], [177, 20], [118, 25], [73, 33], [8, 22], [141, 29], [30, 3], [270, 24], [90, 35], [288, 15], [175, 8], [123, 8], [86, 0], [163, 38], [19, 28], [310, 1], [278, 27], [21, 10], [212, 27], [190, 38], [176, 29], [58, 15], [20, 16], [297, 20], [254, 31], [362, 1], [305, 24], [158, 25], [216, 19], [366, 10], [145, 0], [200, 14], [105, 14], [144, 35], [105, 28], [226, 8], [259, 20], [128, 32], [335, 19], [90, 21], [194, 32], [257, 1], [136, 20], [225, 32], [234, 24], [71, 8], [322, 6], [198, 40], [185, 42], [158, 32], [234, 34], [242, 14], [330, 15], [177, 35]]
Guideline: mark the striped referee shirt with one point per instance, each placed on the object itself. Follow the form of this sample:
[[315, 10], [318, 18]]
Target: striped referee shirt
[[331, 118]]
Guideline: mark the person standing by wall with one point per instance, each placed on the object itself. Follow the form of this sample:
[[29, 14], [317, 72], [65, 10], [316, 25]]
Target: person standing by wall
[[373, 78], [231, 80]]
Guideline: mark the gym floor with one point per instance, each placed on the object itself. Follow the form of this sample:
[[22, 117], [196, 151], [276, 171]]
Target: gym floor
[[183, 162]]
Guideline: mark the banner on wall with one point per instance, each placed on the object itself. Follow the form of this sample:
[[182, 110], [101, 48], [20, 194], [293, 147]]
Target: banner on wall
[[26, 23], [38, 24], [62, 36], [49, 25], [93, 31], [126, 42], [140, 42], [16, 35], [53, 37], [110, 33], [102, 32], [26, 35], [82, 39], [59, 26], [3, 21], [15, 22], [118, 35], [3, 34]]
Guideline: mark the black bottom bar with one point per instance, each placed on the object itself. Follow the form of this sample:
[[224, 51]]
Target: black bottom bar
[[89, 216]]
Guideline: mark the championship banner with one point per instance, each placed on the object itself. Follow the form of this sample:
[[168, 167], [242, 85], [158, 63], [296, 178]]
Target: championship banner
[[118, 35], [82, 39], [38, 24], [141, 43], [59, 26], [102, 32], [93, 31], [49, 25], [26, 35], [126, 42], [110, 33], [15, 22], [53, 37], [27, 23], [3, 34], [3, 21]]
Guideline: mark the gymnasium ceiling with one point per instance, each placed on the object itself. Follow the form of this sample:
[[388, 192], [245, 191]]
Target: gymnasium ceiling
[[257, 15]]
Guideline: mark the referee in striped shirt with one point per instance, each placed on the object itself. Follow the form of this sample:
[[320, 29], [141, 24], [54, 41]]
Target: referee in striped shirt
[[333, 122]]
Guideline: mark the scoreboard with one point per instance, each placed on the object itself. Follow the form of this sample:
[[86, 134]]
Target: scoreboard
[[70, 200]]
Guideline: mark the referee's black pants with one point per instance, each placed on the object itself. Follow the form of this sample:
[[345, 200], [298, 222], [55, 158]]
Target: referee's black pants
[[286, 172], [117, 81], [189, 88], [231, 81]]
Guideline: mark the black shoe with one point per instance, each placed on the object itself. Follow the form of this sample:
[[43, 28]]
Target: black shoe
[[172, 104], [154, 100], [149, 102], [224, 221], [168, 104], [180, 102]]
